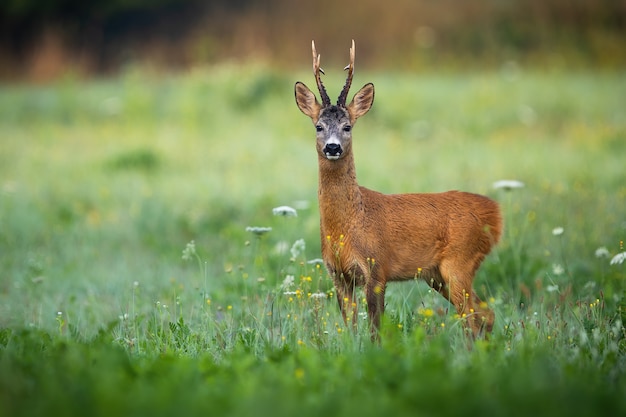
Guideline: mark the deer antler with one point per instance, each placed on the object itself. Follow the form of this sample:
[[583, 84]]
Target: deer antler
[[350, 67], [316, 71]]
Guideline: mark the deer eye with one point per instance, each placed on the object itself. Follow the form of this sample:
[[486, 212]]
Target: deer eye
[[319, 128], [347, 128]]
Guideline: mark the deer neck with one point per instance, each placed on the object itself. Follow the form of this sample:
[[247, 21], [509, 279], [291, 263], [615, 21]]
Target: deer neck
[[339, 194]]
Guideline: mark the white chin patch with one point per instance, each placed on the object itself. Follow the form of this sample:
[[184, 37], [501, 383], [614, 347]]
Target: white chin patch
[[332, 157]]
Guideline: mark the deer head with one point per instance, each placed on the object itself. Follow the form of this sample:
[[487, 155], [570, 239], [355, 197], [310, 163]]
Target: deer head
[[333, 123]]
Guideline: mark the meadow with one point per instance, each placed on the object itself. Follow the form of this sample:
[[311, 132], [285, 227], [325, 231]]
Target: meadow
[[139, 274]]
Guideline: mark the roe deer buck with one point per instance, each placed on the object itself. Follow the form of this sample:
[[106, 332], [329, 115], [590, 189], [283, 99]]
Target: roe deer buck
[[369, 238]]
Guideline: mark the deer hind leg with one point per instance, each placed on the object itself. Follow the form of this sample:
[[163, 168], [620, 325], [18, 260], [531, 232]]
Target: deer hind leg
[[457, 277]]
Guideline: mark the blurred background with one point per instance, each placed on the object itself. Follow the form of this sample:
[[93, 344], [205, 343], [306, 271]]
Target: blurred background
[[43, 40]]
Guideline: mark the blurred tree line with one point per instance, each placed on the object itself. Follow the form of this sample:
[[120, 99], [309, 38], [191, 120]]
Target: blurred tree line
[[40, 39]]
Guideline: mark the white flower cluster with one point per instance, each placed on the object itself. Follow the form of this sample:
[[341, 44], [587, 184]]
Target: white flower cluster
[[618, 259], [507, 185], [288, 282], [602, 252], [190, 251], [285, 211], [319, 295], [557, 231], [297, 248], [257, 230]]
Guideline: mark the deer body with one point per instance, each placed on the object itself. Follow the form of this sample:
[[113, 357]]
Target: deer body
[[369, 238]]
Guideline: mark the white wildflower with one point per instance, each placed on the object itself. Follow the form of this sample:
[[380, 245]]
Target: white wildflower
[[557, 269], [319, 295], [557, 231], [315, 261], [285, 211], [259, 231], [552, 288], [508, 185], [288, 282], [602, 252], [619, 258], [297, 248], [190, 251]]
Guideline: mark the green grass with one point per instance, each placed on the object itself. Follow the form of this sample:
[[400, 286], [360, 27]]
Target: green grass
[[105, 184]]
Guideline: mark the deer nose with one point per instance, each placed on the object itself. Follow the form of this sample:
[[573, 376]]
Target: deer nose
[[332, 150]]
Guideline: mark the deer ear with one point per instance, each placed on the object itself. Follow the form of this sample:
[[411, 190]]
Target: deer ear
[[362, 102], [307, 102]]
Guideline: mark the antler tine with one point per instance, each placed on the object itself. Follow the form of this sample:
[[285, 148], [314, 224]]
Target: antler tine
[[350, 67], [316, 71]]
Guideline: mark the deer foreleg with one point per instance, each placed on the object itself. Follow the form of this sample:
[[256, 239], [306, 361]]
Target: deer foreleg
[[375, 298], [347, 303]]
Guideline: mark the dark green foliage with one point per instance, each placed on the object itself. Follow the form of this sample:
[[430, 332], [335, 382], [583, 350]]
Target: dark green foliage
[[136, 160], [67, 377]]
